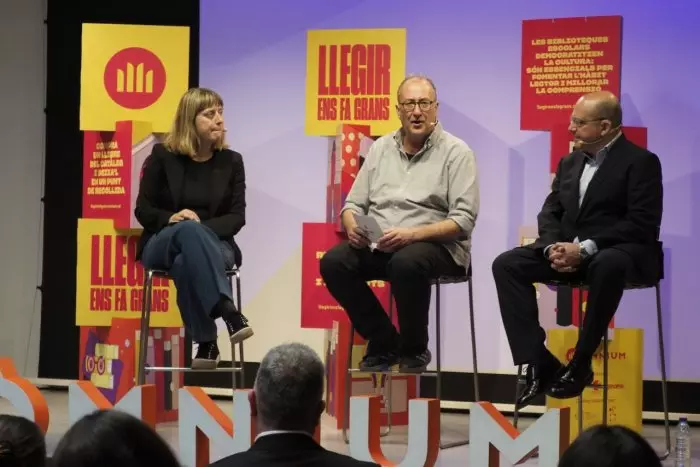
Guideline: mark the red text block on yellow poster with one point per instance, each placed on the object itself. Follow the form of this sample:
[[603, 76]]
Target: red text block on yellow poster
[[351, 77], [110, 281], [625, 369], [562, 59], [132, 72]]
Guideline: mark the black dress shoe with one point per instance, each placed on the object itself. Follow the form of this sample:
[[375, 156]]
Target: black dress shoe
[[539, 378], [576, 376]]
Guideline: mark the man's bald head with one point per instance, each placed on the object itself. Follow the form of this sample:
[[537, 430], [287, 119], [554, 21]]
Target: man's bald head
[[602, 105]]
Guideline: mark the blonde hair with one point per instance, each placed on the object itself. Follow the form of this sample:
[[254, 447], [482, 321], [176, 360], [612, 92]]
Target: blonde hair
[[183, 138]]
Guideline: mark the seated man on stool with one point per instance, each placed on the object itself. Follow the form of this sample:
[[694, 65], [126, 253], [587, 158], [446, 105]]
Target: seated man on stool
[[599, 225], [420, 184]]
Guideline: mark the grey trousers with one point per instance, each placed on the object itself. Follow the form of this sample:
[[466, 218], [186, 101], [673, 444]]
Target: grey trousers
[[196, 259]]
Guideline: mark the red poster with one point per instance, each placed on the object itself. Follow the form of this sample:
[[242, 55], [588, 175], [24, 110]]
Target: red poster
[[318, 307], [562, 59], [107, 175]]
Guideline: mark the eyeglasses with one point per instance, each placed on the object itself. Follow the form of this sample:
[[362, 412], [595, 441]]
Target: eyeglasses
[[424, 105], [580, 122]]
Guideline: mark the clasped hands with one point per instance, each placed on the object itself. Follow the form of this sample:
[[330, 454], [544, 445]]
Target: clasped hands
[[393, 239], [184, 215], [565, 257]]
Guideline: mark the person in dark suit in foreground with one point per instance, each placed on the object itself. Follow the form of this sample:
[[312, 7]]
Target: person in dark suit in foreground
[[600, 224], [287, 398], [191, 203]]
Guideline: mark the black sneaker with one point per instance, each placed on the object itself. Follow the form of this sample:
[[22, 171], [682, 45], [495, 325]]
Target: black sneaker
[[207, 357], [379, 362], [237, 326], [416, 363]]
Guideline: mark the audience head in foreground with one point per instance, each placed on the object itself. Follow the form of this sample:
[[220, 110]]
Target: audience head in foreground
[[111, 438], [288, 391], [609, 446], [21, 442], [288, 401]]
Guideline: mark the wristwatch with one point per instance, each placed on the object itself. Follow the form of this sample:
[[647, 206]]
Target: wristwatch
[[583, 253]]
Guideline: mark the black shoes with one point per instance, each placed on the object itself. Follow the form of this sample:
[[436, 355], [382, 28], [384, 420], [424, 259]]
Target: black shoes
[[375, 362], [236, 323], [383, 361], [238, 328], [539, 378], [573, 380], [415, 363], [207, 357]]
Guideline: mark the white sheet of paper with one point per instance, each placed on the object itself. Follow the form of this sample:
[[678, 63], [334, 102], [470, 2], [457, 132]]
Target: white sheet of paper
[[370, 226]]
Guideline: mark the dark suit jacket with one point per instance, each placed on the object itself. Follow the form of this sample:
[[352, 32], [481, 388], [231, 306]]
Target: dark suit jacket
[[160, 194], [622, 207], [289, 449]]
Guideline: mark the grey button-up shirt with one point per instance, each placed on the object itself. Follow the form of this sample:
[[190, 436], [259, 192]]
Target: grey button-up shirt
[[439, 182]]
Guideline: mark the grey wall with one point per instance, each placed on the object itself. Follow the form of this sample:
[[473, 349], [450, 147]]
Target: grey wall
[[22, 92]]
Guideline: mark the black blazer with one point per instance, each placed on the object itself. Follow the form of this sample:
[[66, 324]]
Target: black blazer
[[160, 194], [289, 449], [622, 207]]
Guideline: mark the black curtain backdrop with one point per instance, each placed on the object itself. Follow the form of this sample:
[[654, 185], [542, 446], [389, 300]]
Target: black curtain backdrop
[[59, 343]]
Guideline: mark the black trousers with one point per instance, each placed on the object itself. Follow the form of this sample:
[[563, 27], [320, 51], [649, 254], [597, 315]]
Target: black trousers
[[409, 270], [515, 272]]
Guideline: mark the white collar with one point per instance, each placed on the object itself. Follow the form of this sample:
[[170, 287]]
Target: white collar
[[283, 432]]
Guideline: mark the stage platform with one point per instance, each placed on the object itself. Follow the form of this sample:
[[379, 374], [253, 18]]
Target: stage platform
[[454, 426]]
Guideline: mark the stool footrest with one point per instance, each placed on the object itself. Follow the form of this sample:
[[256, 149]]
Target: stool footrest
[[203, 370], [432, 373]]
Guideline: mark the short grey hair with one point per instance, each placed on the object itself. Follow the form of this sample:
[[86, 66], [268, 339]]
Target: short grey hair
[[419, 77], [289, 387]]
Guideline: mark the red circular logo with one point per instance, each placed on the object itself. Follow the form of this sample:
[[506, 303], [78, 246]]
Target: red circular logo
[[134, 78]]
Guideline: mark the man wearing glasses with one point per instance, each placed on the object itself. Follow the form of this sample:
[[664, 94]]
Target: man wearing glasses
[[420, 184], [599, 224]]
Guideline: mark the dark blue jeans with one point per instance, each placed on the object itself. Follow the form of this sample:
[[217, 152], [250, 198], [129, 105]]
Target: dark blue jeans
[[196, 259]]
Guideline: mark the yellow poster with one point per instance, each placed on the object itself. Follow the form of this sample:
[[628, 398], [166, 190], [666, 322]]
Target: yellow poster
[[625, 373], [352, 76], [109, 281], [132, 72]]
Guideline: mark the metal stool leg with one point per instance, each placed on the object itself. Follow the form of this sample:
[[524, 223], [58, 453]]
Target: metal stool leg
[[239, 303], [438, 379], [388, 381], [662, 354], [605, 377], [580, 325], [518, 384], [145, 323], [473, 332], [348, 387]]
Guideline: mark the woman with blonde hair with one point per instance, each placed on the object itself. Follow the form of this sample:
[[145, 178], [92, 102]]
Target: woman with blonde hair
[[191, 204]]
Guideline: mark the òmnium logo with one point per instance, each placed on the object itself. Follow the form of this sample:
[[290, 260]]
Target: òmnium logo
[[134, 78]]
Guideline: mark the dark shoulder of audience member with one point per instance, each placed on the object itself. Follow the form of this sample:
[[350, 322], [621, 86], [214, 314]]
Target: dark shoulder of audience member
[[21, 443], [609, 446], [111, 438]]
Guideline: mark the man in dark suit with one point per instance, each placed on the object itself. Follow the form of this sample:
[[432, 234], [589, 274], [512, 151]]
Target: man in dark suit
[[599, 224], [287, 399]]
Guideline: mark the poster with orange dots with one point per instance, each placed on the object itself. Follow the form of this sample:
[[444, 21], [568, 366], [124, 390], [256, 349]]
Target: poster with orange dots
[[345, 153]]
